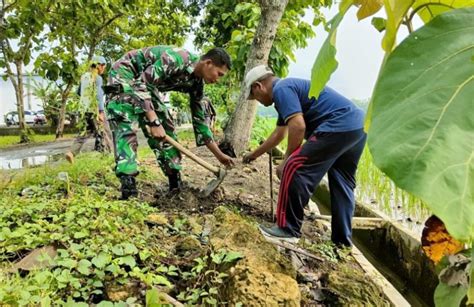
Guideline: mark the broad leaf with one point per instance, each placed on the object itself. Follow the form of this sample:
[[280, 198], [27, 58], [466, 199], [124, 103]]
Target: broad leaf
[[153, 298], [368, 7], [428, 9], [101, 260], [396, 11], [326, 62], [422, 127], [449, 296], [84, 266]]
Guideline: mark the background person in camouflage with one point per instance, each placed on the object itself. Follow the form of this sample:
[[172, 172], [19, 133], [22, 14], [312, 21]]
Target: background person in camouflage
[[135, 82]]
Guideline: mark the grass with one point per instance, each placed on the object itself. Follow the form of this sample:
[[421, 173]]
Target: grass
[[10, 140], [374, 187]]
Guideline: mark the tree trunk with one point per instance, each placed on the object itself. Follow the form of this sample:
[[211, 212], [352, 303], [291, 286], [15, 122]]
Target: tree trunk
[[237, 133], [62, 111], [19, 89]]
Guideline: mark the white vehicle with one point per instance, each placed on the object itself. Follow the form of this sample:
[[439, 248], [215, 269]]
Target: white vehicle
[[11, 118], [29, 117]]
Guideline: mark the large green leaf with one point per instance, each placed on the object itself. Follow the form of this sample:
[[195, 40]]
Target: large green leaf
[[326, 63], [428, 9], [422, 131]]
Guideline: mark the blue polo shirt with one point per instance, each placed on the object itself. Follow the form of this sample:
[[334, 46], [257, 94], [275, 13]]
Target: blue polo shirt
[[331, 112]]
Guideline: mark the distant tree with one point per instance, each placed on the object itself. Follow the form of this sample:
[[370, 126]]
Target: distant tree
[[255, 32], [21, 28]]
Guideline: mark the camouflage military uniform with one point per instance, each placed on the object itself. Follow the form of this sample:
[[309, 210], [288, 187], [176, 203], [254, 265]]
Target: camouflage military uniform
[[143, 74]]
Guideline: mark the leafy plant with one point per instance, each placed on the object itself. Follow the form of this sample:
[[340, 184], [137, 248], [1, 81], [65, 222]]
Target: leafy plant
[[418, 117], [207, 278]]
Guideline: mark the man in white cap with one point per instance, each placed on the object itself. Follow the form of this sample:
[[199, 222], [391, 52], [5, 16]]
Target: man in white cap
[[333, 129], [92, 120]]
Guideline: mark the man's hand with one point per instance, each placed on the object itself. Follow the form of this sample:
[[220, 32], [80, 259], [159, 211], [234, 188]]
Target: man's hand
[[279, 169], [158, 132], [226, 160], [248, 158]]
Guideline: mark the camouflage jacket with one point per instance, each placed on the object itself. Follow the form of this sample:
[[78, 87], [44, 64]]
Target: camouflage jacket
[[144, 73]]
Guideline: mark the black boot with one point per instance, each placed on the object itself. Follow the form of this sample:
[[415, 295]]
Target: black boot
[[129, 187], [175, 183]]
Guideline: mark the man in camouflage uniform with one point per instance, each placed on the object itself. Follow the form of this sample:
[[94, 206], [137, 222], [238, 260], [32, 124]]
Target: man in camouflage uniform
[[135, 82]]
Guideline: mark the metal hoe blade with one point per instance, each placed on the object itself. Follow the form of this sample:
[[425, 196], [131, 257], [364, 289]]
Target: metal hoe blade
[[214, 183]]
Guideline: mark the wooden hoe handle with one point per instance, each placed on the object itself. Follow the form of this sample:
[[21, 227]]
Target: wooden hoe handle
[[193, 157]]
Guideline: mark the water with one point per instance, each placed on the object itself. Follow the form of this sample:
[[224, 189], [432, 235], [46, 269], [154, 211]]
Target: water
[[36, 158]]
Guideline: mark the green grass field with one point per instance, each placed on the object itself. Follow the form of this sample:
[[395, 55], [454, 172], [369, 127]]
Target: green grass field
[[9, 140]]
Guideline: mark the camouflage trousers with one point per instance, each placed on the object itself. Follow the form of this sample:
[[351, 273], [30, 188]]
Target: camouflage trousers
[[123, 118], [91, 128]]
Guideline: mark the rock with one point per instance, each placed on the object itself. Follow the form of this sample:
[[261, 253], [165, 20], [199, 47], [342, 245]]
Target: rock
[[28, 192], [117, 293], [36, 259], [188, 244], [63, 176], [196, 228], [247, 170], [157, 219], [264, 277]]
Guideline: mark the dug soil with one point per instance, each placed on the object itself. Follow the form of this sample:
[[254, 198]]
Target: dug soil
[[266, 275]]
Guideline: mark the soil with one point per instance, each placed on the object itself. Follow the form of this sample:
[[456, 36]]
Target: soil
[[336, 280]]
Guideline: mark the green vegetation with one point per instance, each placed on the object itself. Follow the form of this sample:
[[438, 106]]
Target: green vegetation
[[9, 140], [104, 246], [373, 184], [418, 123]]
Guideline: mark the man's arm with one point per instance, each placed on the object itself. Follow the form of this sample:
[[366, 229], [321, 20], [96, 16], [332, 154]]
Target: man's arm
[[273, 140], [296, 130]]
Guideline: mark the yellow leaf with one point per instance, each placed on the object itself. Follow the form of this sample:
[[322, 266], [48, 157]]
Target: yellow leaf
[[396, 11], [367, 7], [437, 242]]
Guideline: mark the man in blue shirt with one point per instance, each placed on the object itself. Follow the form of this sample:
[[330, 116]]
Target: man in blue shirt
[[333, 129]]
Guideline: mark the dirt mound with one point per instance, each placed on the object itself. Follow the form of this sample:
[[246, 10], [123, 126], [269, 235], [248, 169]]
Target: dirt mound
[[264, 277]]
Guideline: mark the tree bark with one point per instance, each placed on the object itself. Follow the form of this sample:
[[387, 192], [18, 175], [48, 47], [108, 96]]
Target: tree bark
[[19, 90], [62, 111], [237, 133]]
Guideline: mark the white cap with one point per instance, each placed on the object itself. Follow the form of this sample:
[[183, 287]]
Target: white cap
[[253, 75], [99, 60]]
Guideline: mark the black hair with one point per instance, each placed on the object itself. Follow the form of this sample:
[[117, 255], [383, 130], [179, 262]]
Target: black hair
[[218, 56]]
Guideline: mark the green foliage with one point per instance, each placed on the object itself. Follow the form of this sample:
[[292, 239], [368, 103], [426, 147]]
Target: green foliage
[[454, 283], [420, 122], [428, 9], [9, 140], [101, 242], [326, 63], [210, 273], [233, 23], [180, 101], [261, 130], [375, 188]]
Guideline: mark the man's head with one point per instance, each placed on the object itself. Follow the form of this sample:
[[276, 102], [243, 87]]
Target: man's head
[[213, 65], [258, 85], [100, 63]]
